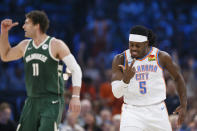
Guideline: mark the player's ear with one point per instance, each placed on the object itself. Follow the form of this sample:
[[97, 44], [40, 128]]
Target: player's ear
[[37, 26]]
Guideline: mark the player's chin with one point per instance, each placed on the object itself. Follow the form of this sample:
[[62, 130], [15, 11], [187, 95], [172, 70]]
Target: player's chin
[[26, 35]]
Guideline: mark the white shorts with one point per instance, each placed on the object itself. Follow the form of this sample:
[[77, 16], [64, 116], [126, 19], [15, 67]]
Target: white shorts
[[145, 118]]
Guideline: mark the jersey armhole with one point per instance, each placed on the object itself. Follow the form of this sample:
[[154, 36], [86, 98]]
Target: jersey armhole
[[157, 58], [50, 53], [26, 48]]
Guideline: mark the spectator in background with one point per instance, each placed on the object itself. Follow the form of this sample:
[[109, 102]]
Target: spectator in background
[[70, 124], [172, 99], [99, 31], [189, 76], [16, 78], [3, 78], [86, 106], [106, 96], [193, 124], [173, 120], [88, 89], [105, 116], [6, 124], [67, 97], [105, 92], [191, 116], [91, 70], [90, 122], [116, 122]]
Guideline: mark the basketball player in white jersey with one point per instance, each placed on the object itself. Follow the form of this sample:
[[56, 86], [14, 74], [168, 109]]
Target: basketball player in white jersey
[[137, 75]]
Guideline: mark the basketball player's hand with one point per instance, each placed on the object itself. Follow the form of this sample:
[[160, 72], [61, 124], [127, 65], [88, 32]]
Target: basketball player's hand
[[75, 107], [181, 110], [128, 71], [7, 24]]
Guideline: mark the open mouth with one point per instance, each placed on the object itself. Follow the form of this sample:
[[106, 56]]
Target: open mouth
[[134, 53]]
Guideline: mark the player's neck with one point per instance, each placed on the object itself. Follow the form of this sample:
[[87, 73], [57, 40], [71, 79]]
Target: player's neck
[[148, 50], [39, 39]]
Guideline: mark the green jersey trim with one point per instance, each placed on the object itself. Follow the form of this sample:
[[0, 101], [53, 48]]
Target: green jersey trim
[[26, 48], [50, 53]]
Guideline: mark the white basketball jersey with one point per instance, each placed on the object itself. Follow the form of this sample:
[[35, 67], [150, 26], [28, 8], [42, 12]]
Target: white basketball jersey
[[148, 85]]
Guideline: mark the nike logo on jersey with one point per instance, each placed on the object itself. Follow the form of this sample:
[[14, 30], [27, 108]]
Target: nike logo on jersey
[[54, 102]]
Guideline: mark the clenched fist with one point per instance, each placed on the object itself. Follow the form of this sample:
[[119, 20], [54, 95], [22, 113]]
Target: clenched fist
[[7, 24]]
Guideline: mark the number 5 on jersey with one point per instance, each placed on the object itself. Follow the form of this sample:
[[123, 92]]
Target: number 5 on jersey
[[35, 69], [142, 87]]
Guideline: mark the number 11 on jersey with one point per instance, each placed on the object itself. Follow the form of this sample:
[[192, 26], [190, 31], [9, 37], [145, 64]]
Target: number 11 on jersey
[[35, 69], [142, 87]]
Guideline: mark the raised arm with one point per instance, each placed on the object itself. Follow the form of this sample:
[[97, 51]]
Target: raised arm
[[166, 61], [121, 75], [117, 73], [7, 52], [61, 51]]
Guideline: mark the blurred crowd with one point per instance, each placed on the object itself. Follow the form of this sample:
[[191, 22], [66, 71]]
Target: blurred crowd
[[95, 31]]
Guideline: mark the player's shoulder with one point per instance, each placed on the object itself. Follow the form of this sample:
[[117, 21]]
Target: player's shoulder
[[25, 41], [119, 56], [163, 55], [58, 45], [164, 58], [57, 42], [22, 46]]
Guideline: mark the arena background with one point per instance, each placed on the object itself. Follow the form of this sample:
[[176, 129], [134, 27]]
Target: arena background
[[95, 31]]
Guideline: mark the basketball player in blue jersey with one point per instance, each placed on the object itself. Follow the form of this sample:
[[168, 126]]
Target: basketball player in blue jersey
[[137, 75], [43, 73]]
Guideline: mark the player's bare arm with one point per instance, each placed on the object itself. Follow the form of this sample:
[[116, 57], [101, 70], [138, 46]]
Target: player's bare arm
[[12, 53], [117, 73], [121, 75], [60, 51], [9, 53], [173, 69], [121, 72]]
